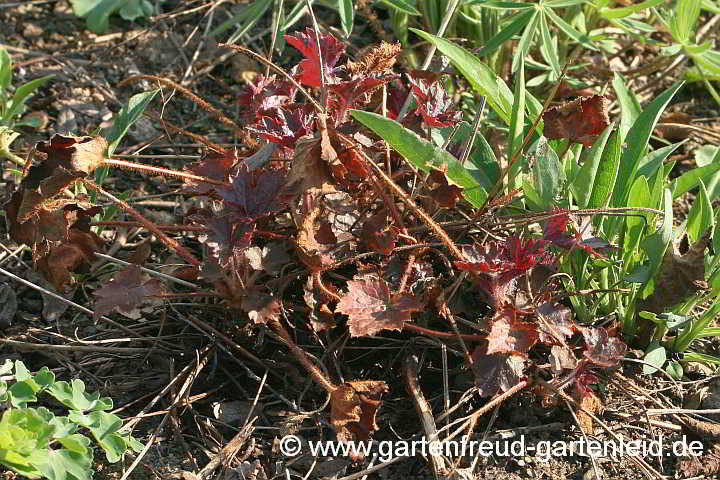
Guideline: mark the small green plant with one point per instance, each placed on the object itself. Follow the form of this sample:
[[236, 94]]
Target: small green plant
[[38, 443], [12, 106], [97, 12]]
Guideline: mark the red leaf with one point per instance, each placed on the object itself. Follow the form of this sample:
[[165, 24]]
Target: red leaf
[[555, 232], [215, 166], [347, 94], [265, 94], [254, 194], [126, 291], [499, 263], [284, 126], [330, 50], [581, 120], [602, 349], [433, 103], [227, 239], [508, 335], [372, 308], [497, 372]]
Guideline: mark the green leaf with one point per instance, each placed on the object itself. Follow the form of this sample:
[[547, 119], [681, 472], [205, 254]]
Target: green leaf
[[478, 74], [682, 23], [607, 172], [5, 70], [517, 119], [675, 370], [135, 9], [654, 357], [17, 105], [700, 357], [579, 37], [584, 182], [73, 395], [523, 45], [402, 6], [62, 464], [629, 105], [548, 175], [700, 217], [656, 245], [637, 140], [347, 16], [548, 47], [244, 20], [125, 118], [639, 197], [421, 153], [506, 33], [689, 180], [501, 5], [621, 12]]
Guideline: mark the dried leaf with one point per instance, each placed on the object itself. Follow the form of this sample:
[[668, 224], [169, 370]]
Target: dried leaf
[[315, 242], [309, 172], [555, 232], [705, 466], [497, 372], [353, 406], [378, 234], [372, 308], [380, 59], [561, 358], [128, 289], [446, 194], [680, 276], [601, 349], [581, 120], [261, 307], [590, 403], [555, 323], [72, 255], [508, 335]]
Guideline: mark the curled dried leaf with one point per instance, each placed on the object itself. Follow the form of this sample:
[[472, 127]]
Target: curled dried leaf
[[353, 406], [581, 120]]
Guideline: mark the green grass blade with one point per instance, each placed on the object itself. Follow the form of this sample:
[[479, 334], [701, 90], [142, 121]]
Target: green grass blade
[[637, 140], [22, 93], [584, 182], [548, 47], [506, 33], [526, 39], [402, 6], [422, 153], [604, 181], [629, 106], [517, 119], [701, 216], [689, 180], [126, 117], [347, 16]]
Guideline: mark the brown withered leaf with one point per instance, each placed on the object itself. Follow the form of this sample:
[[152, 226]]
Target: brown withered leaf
[[508, 335], [674, 126], [315, 241], [590, 403], [497, 372], [705, 466], [581, 120], [680, 276], [380, 59], [372, 308], [321, 317], [556, 324], [261, 307], [445, 193], [602, 349], [353, 406], [561, 358], [73, 254], [378, 234], [309, 172], [128, 289]]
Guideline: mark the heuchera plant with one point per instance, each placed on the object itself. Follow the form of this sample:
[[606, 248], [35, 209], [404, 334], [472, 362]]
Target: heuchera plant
[[317, 167]]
